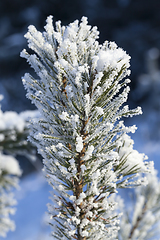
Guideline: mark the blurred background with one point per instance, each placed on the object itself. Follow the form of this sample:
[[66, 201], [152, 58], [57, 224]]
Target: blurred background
[[133, 24]]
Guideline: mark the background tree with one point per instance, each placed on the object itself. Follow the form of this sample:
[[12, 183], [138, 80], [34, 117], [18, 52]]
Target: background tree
[[13, 141], [141, 217]]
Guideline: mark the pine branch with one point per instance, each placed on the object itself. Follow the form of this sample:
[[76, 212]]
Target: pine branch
[[80, 93]]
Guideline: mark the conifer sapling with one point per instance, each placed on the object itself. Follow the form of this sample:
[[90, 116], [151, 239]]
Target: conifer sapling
[[80, 91]]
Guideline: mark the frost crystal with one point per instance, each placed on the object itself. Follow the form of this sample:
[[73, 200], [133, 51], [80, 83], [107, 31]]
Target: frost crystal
[[79, 145], [81, 92]]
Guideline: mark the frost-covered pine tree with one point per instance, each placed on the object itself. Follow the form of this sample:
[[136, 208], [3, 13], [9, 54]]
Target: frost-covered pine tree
[[80, 91]]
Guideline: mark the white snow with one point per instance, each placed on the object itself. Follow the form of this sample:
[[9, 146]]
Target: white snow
[[11, 120], [83, 168], [112, 58], [79, 145], [99, 110], [88, 152], [64, 116], [2, 137], [9, 164]]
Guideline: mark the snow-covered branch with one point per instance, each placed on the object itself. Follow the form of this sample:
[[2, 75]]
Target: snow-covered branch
[[14, 131], [81, 92]]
